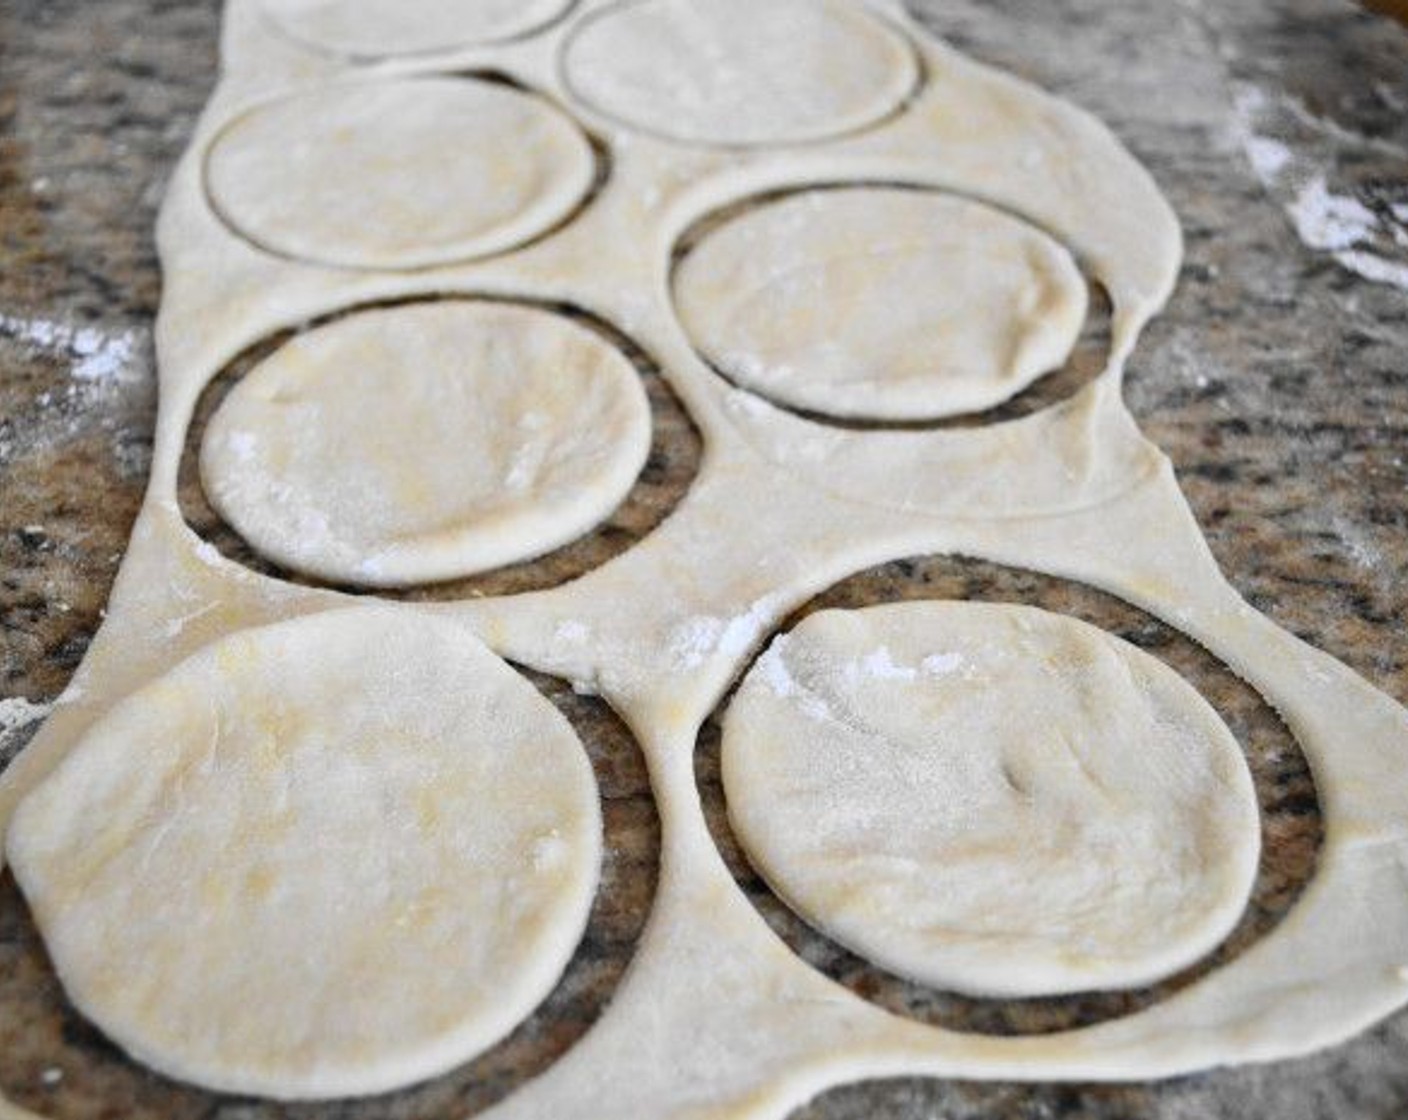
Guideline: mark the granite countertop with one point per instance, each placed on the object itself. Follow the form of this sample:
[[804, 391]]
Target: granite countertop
[[1277, 380]]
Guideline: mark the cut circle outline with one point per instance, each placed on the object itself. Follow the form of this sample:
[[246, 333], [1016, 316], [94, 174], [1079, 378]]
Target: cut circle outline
[[1288, 882], [512, 233], [917, 409], [662, 485], [818, 732], [556, 12], [915, 64], [402, 552], [568, 827]]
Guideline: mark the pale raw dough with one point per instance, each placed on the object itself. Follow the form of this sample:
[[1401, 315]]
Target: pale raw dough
[[424, 442], [331, 856], [717, 1019], [991, 799], [881, 303], [399, 174], [739, 72], [371, 29]]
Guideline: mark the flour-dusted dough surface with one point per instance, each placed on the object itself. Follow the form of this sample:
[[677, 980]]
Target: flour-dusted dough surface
[[330, 856], [371, 29], [881, 303], [738, 72], [427, 441], [991, 799], [399, 173], [716, 1019]]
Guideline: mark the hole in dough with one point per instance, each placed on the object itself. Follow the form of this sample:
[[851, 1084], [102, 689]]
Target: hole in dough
[[880, 302], [371, 29], [399, 174], [426, 441], [1284, 788], [676, 451], [923, 1098], [740, 73], [51, 1034], [327, 857]]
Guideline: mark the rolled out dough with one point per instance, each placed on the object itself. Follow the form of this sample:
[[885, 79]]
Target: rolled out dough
[[739, 72], [398, 173], [330, 856], [370, 29], [881, 303], [991, 799], [715, 1019], [427, 441]]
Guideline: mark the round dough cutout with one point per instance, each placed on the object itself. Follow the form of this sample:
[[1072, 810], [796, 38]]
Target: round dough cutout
[[740, 73], [881, 303], [371, 29], [426, 442], [991, 799], [399, 174], [331, 856]]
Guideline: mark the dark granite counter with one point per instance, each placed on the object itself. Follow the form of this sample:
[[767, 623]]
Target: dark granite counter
[[1277, 380]]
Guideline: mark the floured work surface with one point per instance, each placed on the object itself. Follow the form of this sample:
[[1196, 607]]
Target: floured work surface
[[722, 629]]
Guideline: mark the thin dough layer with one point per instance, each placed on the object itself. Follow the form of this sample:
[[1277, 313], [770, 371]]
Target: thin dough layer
[[990, 798], [425, 442], [399, 174], [330, 856], [736, 72], [884, 304], [715, 1018], [371, 29]]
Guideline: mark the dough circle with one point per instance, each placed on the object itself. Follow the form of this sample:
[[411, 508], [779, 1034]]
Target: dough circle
[[991, 799], [427, 441], [399, 174], [881, 303], [371, 29], [331, 856], [740, 73]]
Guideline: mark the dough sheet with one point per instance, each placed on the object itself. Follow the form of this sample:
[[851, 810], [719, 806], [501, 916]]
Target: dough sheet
[[716, 1019]]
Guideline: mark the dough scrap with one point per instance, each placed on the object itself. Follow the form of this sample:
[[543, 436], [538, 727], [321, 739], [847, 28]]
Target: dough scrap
[[427, 441], [740, 73], [881, 303], [990, 798], [399, 174], [371, 29], [329, 856]]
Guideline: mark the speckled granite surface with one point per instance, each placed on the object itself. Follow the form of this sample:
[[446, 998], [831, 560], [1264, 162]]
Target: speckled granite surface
[[1277, 380]]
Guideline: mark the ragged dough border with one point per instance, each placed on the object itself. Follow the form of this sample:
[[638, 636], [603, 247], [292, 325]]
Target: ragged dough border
[[716, 1018]]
